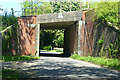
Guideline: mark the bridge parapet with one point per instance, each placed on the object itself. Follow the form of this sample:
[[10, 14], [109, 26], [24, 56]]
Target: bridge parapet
[[53, 17]]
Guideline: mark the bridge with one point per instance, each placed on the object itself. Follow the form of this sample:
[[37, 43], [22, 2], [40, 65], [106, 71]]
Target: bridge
[[30, 27]]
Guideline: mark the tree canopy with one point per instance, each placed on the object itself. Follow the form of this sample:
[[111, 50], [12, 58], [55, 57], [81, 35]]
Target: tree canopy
[[108, 12]]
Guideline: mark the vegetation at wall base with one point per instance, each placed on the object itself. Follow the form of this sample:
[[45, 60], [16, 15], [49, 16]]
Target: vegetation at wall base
[[102, 61], [113, 49], [18, 58]]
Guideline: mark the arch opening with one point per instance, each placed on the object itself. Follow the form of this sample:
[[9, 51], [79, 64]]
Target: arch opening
[[70, 37]]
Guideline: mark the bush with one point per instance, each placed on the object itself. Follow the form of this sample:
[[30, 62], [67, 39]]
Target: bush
[[108, 12], [47, 47]]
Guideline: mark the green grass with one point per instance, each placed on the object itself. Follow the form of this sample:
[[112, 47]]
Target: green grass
[[10, 74], [106, 62], [52, 51], [61, 52], [18, 58]]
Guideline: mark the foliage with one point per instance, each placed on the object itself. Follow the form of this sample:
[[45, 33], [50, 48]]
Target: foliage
[[51, 37], [65, 6], [108, 12], [70, 5], [47, 47], [100, 46], [41, 7], [112, 63], [33, 8], [114, 49], [100, 42], [119, 14], [46, 38], [18, 58], [9, 19], [9, 38], [8, 74], [59, 38], [0, 23]]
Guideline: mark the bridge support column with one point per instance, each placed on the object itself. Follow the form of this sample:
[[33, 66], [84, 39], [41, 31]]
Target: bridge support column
[[37, 38], [79, 37]]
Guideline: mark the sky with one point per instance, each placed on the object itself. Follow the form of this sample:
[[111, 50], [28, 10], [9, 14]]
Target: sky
[[15, 4], [6, 5]]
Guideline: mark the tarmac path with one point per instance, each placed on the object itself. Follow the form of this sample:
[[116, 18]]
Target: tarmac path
[[59, 68]]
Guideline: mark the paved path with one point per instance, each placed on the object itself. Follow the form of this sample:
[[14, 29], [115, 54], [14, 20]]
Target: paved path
[[54, 67]]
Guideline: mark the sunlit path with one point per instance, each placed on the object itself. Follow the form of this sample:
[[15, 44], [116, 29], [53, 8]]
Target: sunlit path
[[54, 67]]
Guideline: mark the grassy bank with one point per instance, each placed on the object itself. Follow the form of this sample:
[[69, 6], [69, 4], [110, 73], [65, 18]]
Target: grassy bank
[[112, 63], [18, 58]]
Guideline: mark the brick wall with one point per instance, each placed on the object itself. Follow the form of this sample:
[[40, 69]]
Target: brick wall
[[95, 30], [109, 35], [27, 35], [71, 40], [87, 30]]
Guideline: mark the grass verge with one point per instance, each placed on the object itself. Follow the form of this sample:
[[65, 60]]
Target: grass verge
[[9, 74], [102, 61], [18, 58], [60, 52]]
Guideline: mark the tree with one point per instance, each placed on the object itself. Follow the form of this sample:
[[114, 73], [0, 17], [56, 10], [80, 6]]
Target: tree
[[65, 6], [10, 37], [119, 14], [59, 38], [108, 12], [9, 19], [35, 8]]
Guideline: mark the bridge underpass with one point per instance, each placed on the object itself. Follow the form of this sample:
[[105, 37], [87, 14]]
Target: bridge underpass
[[70, 36], [70, 22], [30, 27]]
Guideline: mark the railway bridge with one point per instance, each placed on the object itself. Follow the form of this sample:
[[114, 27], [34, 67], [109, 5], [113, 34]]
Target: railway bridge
[[71, 22]]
